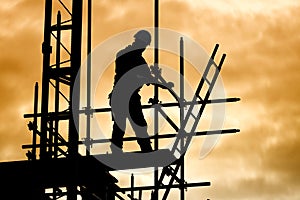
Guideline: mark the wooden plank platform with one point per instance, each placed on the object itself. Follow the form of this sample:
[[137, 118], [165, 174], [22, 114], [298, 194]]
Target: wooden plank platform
[[23, 179], [136, 160], [28, 179]]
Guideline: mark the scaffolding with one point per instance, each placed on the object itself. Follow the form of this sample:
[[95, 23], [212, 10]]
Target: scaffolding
[[55, 166]]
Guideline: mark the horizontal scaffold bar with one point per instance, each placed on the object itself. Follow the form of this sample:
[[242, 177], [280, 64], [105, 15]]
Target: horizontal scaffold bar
[[97, 110], [186, 185], [164, 136]]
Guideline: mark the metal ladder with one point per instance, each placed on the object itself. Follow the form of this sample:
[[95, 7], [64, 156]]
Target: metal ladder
[[192, 117]]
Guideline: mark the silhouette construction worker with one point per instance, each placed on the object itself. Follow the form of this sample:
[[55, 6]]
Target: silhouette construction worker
[[130, 61]]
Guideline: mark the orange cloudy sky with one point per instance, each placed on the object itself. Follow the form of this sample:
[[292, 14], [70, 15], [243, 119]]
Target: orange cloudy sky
[[262, 41]]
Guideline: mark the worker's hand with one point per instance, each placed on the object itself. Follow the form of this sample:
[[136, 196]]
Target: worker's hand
[[155, 70]]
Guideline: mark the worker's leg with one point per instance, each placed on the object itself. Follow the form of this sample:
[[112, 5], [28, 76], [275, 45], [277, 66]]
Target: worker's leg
[[118, 131], [139, 123]]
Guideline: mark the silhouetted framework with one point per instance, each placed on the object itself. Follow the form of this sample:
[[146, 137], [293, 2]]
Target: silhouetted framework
[[54, 168]]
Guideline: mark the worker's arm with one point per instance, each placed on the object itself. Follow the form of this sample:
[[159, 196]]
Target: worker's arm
[[144, 74]]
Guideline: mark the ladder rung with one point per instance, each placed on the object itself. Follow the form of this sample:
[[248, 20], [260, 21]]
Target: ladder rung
[[215, 64], [199, 97], [211, 62], [177, 149], [61, 71], [208, 82], [193, 116], [172, 173], [64, 81], [170, 169], [62, 27]]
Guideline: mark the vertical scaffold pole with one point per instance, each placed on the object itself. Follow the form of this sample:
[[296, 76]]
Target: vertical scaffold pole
[[35, 110], [156, 61], [181, 63], [73, 135], [89, 70], [75, 71], [58, 42], [132, 186], [46, 50]]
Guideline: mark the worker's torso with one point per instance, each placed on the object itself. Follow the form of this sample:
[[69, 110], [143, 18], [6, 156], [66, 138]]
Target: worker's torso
[[126, 60]]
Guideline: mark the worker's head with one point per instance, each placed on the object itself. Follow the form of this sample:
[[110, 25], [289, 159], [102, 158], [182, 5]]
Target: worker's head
[[142, 38]]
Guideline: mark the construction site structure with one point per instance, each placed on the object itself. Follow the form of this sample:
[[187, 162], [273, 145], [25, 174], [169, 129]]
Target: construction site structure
[[55, 168]]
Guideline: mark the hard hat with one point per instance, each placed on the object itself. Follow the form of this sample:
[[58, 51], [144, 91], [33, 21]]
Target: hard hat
[[144, 36]]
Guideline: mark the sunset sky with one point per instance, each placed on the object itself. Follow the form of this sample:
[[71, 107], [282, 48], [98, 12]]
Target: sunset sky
[[262, 41]]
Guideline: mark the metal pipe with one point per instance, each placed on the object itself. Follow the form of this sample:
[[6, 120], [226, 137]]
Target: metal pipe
[[132, 186], [166, 186], [35, 110], [46, 49], [76, 49], [182, 98], [57, 92], [164, 136], [76, 38], [99, 110], [156, 62], [88, 89]]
